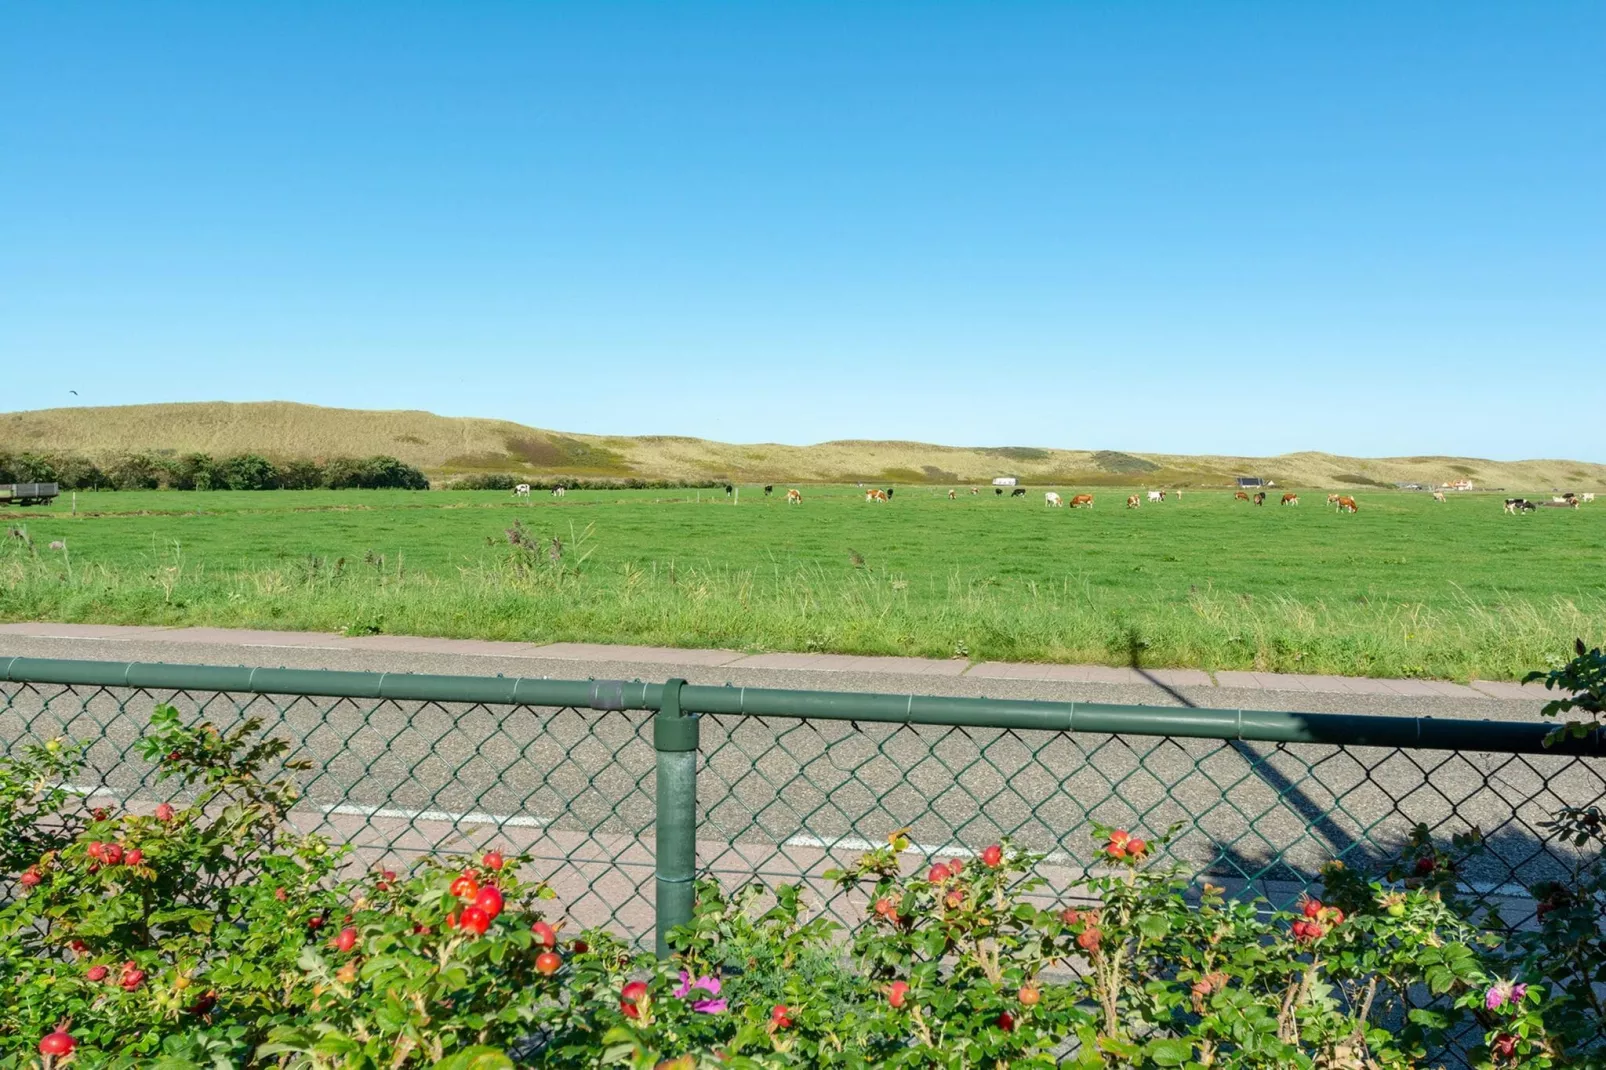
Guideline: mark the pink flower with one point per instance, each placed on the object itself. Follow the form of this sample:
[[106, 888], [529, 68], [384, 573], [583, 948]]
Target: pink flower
[[709, 985], [1503, 992]]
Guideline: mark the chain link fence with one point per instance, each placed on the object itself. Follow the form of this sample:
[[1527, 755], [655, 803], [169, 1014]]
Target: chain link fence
[[780, 786]]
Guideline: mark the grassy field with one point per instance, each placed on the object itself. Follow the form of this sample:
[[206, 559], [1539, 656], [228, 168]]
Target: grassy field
[[1405, 587]]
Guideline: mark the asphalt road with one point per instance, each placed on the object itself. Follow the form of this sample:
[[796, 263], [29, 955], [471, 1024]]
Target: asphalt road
[[780, 797]]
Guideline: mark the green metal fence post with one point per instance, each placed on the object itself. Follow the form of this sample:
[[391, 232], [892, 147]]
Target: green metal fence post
[[675, 737]]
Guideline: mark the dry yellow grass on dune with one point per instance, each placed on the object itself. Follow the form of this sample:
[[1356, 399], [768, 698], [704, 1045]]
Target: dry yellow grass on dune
[[450, 445]]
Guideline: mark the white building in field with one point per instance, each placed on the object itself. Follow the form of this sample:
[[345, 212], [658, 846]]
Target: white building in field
[[1005, 481]]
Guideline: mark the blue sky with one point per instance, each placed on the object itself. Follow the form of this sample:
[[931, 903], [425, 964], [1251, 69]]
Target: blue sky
[[1225, 227]]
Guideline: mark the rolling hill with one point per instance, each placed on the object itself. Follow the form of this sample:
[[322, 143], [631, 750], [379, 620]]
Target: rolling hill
[[446, 446]]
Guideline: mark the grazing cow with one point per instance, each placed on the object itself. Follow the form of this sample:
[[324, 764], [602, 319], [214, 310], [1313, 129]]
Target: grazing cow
[[1589, 496], [769, 489], [1332, 499], [521, 491], [558, 491], [1240, 497], [1347, 504], [889, 494], [1438, 495], [1018, 492], [1132, 501], [793, 497], [1079, 500], [998, 490], [729, 490], [1156, 495], [1290, 499], [874, 495], [975, 490], [1260, 497], [1519, 505], [1179, 494], [1052, 499], [952, 494]]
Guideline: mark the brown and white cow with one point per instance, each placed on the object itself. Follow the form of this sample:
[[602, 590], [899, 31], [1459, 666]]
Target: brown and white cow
[[793, 497], [1080, 500], [1438, 495], [952, 494], [1260, 497], [1132, 501], [1347, 504], [874, 495], [1240, 497], [1290, 499], [1156, 495]]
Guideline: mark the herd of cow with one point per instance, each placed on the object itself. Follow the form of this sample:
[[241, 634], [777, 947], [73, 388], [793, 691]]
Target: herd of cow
[[1568, 500], [1343, 503]]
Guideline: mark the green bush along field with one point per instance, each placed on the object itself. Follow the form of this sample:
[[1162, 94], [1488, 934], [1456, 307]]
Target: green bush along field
[[1405, 587]]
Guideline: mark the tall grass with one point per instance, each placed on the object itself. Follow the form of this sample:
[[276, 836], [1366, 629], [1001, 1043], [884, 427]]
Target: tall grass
[[538, 597]]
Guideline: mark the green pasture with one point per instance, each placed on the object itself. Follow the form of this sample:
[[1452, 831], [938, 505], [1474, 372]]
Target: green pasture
[[1406, 586]]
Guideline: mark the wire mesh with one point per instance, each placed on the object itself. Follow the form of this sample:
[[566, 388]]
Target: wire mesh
[[396, 780]]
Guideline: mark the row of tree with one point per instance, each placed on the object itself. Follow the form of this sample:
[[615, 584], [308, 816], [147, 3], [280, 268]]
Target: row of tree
[[201, 471]]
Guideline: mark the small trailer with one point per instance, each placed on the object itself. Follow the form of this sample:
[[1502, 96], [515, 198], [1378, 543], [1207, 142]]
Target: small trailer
[[28, 493]]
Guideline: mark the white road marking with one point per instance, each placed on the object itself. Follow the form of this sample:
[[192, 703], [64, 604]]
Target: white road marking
[[473, 817]]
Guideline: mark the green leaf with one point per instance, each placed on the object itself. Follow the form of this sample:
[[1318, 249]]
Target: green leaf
[[1169, 1051], [476, 1058]]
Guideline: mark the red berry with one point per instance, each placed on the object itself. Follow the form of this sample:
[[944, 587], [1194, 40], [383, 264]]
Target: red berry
[[57, 1043], [1115, 850], [131, 979], [79, 947], [173, 756], [1299, 928], [490, 901], [96, 974], [1029, 996], [630, 998], [465, 887], [1070, 916], [885, 908], [993, 856], [280, 894], [898, 994], [1337, 916], [315, 922], [1311, 909], [346, 940], [100, 813], [492, 860], [94, 849], [956, 866], [938, 873], [112, 855], [474, 920], [1314, 930], [780, 1016], [135, 857], [1006, 1022], [955, 900], [1504, 1046], [545, 935], [547, 963], [1424, 866], [164, 812], [450, 922], [1119, 836], [1135, 848], [1088, 939], [30, 877], [579, 947]]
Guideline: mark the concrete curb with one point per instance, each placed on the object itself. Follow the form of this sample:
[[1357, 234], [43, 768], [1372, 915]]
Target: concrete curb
[[901, 666]]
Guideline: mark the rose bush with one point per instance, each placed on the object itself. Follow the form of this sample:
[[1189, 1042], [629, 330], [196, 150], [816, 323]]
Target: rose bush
[[208, 934]]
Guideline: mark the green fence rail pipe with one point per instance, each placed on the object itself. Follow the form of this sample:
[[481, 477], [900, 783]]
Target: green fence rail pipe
[[1267, 726], [675, 738], [403, 687]]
